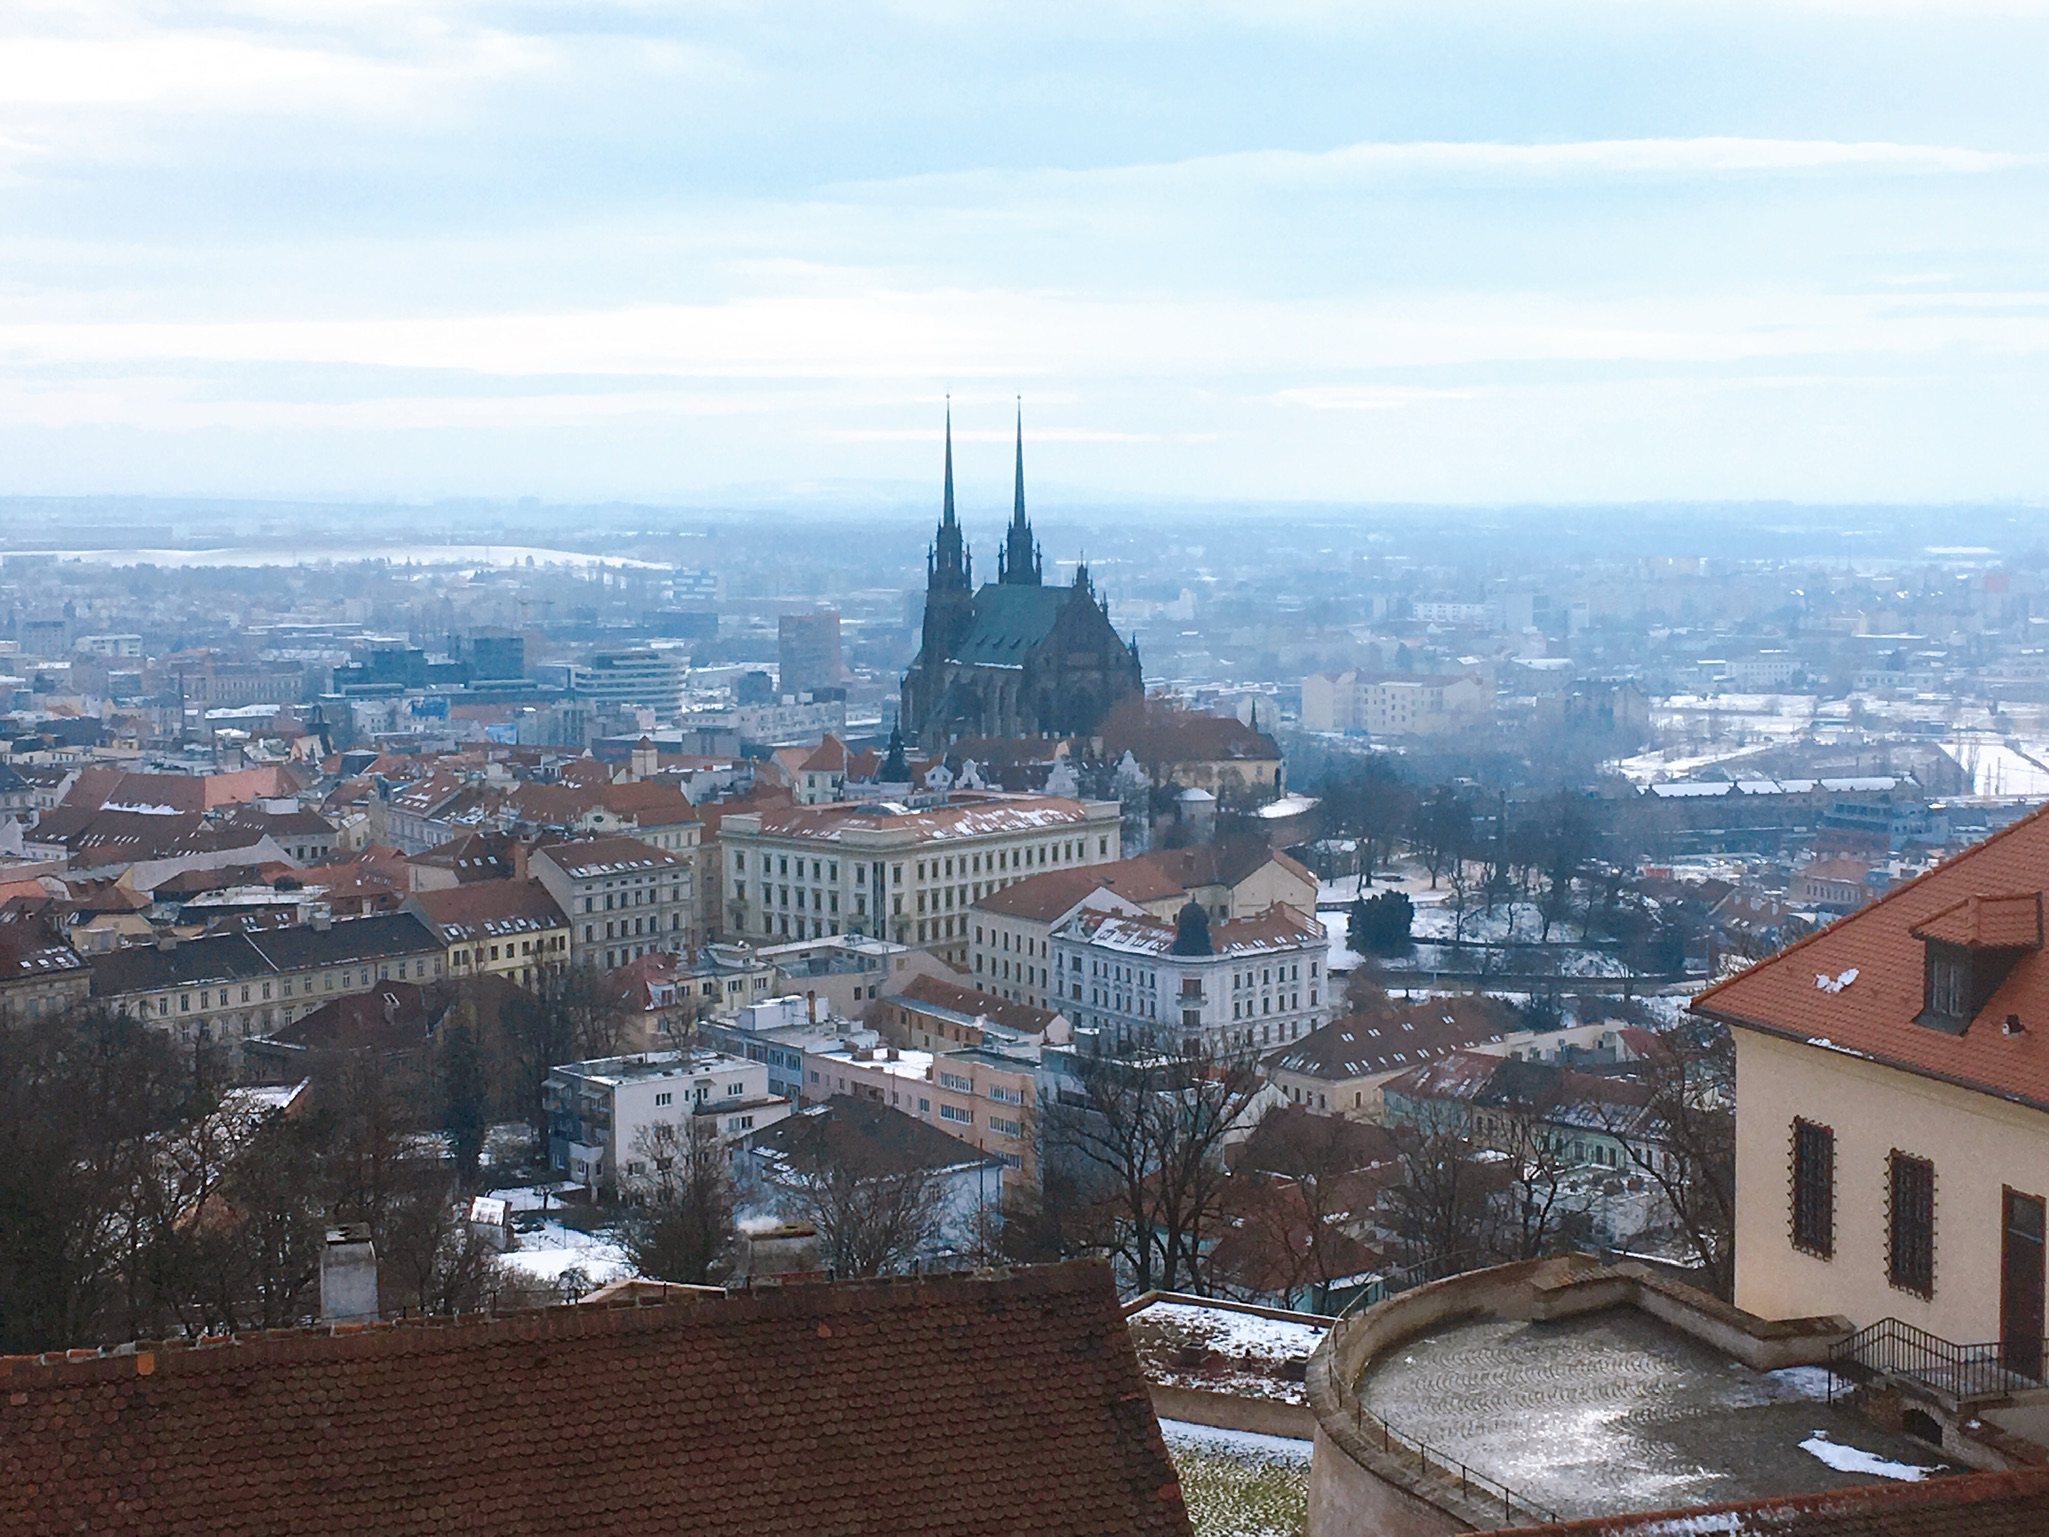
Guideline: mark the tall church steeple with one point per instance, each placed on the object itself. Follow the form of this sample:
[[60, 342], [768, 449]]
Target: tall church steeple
[[948, 564], [1018, 563]]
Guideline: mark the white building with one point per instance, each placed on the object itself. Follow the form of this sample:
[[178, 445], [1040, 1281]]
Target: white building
[[638, 677], [900, 872], [598, 1110], [1245, 984], [1393, 704]]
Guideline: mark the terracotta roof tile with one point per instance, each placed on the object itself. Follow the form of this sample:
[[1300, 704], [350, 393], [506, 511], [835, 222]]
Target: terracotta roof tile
[[936, 1405], [1857, 985]]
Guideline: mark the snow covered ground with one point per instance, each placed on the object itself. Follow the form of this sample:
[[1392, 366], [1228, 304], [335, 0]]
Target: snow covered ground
[[1850, 1459], [549, 1247], [1237, 1484], [1244, 1353]]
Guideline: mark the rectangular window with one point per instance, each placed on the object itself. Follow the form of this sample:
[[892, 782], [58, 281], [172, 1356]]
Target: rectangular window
[[1814, 1188], [665, 1098], [1910, 1227], [959, 1083], [1005, 1128], [955, 1113]]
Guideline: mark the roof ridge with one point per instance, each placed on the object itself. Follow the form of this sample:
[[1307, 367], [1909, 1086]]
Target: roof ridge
[[563, 1320]]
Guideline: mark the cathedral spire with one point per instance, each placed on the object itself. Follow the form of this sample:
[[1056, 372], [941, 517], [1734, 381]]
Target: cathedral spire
[[1018, 563], [946, 513], [947, 566]]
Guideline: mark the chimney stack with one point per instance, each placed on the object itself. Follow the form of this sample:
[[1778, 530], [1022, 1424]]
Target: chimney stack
[[348, 1276]]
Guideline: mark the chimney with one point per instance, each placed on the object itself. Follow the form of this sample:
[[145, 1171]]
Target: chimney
[[348, 1276], [811, 1006], [167, 939], [519, 857], [322, 920]]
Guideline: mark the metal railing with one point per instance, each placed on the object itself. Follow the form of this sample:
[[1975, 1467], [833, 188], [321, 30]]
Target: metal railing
[[1890, 1348], [1428, 1460]]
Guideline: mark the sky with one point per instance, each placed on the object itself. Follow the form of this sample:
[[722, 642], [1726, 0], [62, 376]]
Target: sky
[[1273, 251]]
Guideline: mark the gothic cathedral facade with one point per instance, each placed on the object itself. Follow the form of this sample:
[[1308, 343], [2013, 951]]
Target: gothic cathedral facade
[[1017, 658]]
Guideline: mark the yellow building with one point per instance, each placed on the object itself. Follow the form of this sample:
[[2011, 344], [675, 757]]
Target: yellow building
[[511, 929]]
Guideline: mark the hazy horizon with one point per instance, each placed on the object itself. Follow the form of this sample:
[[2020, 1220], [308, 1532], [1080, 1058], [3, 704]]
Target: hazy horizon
[[1285, 254]]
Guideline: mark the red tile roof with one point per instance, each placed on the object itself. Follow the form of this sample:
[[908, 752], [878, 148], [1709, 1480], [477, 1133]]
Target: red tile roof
[[956, 1404], [970, 1003], [1856, 986], [1974, 1505], [1053, 893]]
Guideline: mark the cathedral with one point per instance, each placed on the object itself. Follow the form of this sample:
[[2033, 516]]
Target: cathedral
[[1017, 658]]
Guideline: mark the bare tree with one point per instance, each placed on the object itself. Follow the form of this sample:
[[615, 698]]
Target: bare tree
[[572, 1015], [1439, 1207], [876, 1211], [1684, 1141], [681, 1224], [1146, 1137]]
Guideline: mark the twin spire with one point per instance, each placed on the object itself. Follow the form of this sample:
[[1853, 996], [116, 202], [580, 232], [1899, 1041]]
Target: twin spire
[[1019, 563]]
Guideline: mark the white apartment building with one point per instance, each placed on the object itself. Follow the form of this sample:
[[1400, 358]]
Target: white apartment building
[[905, 873], [1393, 704], [1242, 985], [637, 677], [623, 897], [598, 1110]]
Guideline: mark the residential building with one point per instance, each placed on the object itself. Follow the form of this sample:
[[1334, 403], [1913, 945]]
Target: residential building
[[877, 1142], [1242, 985], [599, 1111], [845, 974], [1011, 947], [41, 976], [906, 873], [1892, 1109], [974, 1094], [1340, 1067], [1834, 886], [934, 1014], [1394, 704], [722, 979], [780, 1409], [777, 1032], [511, 929], [227, 987], [622, 897]]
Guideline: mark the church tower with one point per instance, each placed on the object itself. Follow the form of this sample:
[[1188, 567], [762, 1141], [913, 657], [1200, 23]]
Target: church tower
[[1018, 563], [949, 574]]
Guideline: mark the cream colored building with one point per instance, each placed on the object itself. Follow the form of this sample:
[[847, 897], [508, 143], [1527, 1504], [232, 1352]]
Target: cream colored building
[[911, 874], [1393, 704], [1892, 1110]]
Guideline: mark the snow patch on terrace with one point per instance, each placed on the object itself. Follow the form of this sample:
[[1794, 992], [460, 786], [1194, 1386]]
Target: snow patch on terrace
[[1851, 1459]]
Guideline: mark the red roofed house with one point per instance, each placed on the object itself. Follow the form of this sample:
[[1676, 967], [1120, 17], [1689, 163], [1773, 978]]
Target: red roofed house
[[960, 1405], [1892, 1114]]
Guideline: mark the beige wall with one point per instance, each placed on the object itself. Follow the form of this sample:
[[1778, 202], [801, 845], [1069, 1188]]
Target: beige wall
[[1978, 1144]]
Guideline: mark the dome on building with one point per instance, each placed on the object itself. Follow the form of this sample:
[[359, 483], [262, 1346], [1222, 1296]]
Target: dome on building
[[1191, 931]]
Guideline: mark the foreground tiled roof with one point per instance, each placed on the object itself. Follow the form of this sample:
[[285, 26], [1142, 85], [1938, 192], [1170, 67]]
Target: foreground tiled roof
[[1856, 986], [941, 1405], [1975, 1505]]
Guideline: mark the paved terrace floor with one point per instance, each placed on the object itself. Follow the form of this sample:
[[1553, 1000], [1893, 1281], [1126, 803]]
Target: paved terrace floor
[[1614, 1411]]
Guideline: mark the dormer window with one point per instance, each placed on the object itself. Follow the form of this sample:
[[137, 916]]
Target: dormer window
[[1969, 950]]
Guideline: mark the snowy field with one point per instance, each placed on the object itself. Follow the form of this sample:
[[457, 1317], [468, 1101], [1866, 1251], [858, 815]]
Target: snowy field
[[549, 1247], [1238, 1484]]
